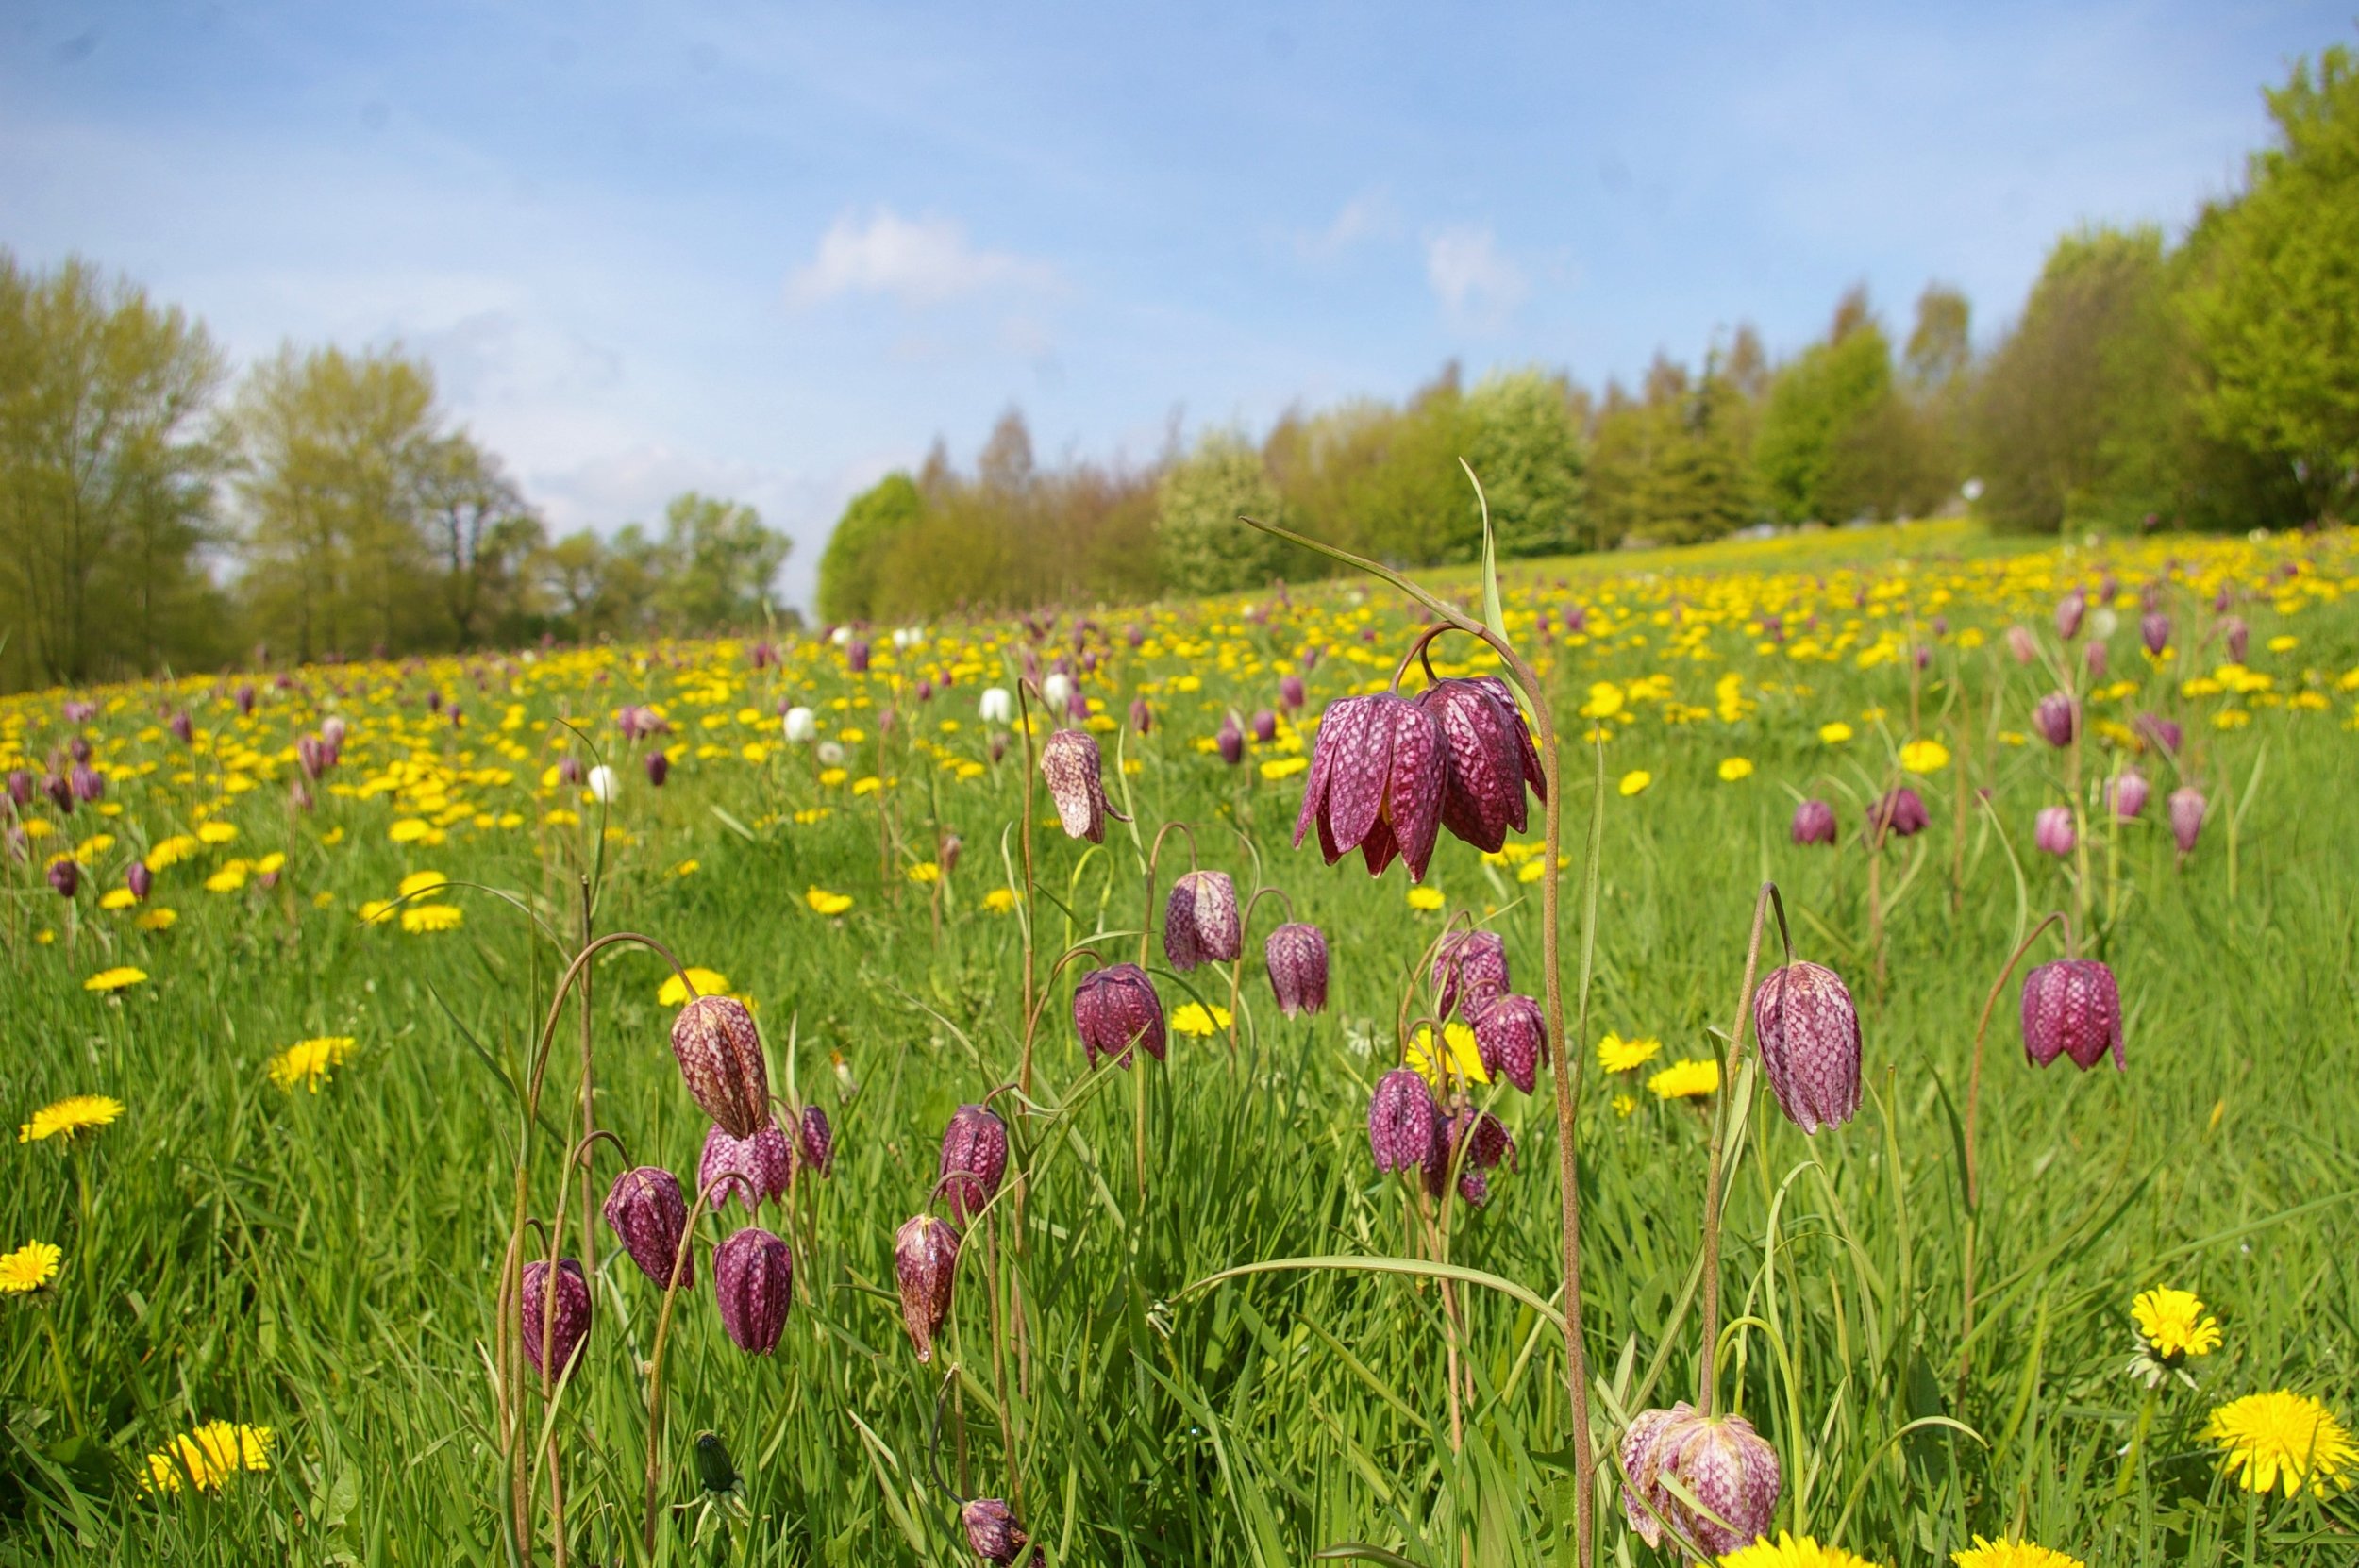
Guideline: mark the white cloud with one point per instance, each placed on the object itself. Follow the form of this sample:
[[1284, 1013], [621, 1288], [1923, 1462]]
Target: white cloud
[[919, 261], [1368, 216], [1477, 285]]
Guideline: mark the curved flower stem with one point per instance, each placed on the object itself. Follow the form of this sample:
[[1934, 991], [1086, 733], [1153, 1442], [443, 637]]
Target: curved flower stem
[[1154, 857], [1973, 1118], [655, 1358], [1724, 1119]]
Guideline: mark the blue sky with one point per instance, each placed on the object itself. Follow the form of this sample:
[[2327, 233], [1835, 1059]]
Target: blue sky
[[772, 251]]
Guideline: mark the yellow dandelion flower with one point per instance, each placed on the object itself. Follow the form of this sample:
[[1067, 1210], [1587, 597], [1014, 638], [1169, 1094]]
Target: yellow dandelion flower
[[29, 1268], [426, 919], [409, 831], [832, 777], [1789, 1551], [1634, 782], [1734, 768], [999, 900], [687, 868], [217, 832], [70, 1117], [1605, 700], [926, 870], [2173, 1323], [170, 852], [376, 911], [115, 978], [674, 992], [230, 878], [206, 1458], [827, 902], [1624, 1104], [117, 898], [1686, 1080], [1465, 1061], [422, 882], [1190, 1018], [1426, 898], [2281, 1440], [1283, 767], [271, 864], [2011, 1554], [309, 1061], [157, 919], [1923, 756], [1616, 1055], [1834, 734]]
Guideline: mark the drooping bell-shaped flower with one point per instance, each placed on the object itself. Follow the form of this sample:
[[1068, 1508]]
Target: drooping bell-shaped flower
[[139, 880], [2072, 1007], [649, 1214], [1490, 759], [993, 1531], [2021, 644], [2128, 793], [1377, 778], [925, 1265], [1290, 692], [974, 1159], [753, 1281], [2186, 805], [2164, 733], [1469, 971], [1200, 921], [814, 1140], [65, 876], [1296, 955], [2154, 631], [2096, 657], [1477, 1142], [1403, 1122], [1898, 814], [1265, 726], [88, 783], [2056, 719], [20, 788], [753, 1171], [659, 768], [719, 1052], [1069, 762], [1115, 1007], [1809, 1044], [1230, 740], [2068, 612], [1814, 823], [1511, 1036], [856, 658], [2236, 635], [1723, 1463], [564, 1328], [2052, 830], [183, 728], [1142, 716]]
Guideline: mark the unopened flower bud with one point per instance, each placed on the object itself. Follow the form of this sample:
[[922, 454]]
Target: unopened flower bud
[[1511, 1036], [565, 1328], [659, 768], [814, 1140], [2154, 630], [1814, 823], [1469, 969], [2052, 830], [2186, 806], [973, 1158], [139, 880], [925, 1265], [992, 1530], [2128, 794], [2056, 719], [753, 1280], [1809, 1044], [648, 1215]]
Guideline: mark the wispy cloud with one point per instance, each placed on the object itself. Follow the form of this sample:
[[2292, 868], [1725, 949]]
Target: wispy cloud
[[1477, 285], [1369, 215], [922, 261]]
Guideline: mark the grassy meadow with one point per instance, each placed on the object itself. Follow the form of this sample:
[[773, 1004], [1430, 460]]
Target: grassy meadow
[[312, 1247]]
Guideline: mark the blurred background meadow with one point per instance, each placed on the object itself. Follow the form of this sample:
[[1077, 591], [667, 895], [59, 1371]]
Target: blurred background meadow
[[474, 485]]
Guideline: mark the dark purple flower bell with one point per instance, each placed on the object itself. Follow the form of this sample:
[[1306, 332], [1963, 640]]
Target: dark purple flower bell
[[1230, 740], [2128, 794], [1722, 1463], [20, 788], [1290, 692], [1070, 762], [925, 1265], [973, 1158], [1469, 969], [1265, 726], [659, 768], [1490, 759], [136, 877], [66, 876], [753, 1171], [88, 783], [720, 1058], [2236, 635], [61, 792], [814, 1140], [2069, 610], [566, 1327], [856, 658], [1114, 1008], [649, 1214], [2185, 807], [1295, 954], [2161, 732], [993, 1531], [1376, 778], [1478, 1141], [1899, 814], [1809, 1044], [183, 728], [1511, 1036], [1200, 921], [753, 1280], [1814, 823], [2057, 718], [1403, 1122], [1142, 716], [2072, 1007], [2154, 630]]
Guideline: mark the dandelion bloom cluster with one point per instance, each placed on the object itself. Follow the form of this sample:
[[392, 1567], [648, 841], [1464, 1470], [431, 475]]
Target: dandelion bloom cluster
[[117, 978], [206, 1458], [307, 1062], [2011, 1554], [1686, 1080], [29, 1267], [1616, 1055], [1789, 1551], [70, 1117], [2281, 1442]]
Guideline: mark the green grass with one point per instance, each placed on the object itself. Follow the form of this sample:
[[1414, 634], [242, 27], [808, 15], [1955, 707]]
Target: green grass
[[326, 1264]]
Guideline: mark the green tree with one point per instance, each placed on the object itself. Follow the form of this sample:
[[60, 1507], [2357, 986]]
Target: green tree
[[336, 455], [870, 525], [1203, 548], [1524, 442], [2276, 309], [106, 478], [484, 537], [717, 565], [1820, 451]]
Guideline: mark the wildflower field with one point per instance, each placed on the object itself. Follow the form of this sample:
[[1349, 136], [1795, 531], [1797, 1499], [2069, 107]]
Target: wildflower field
[[1043, 1183]]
